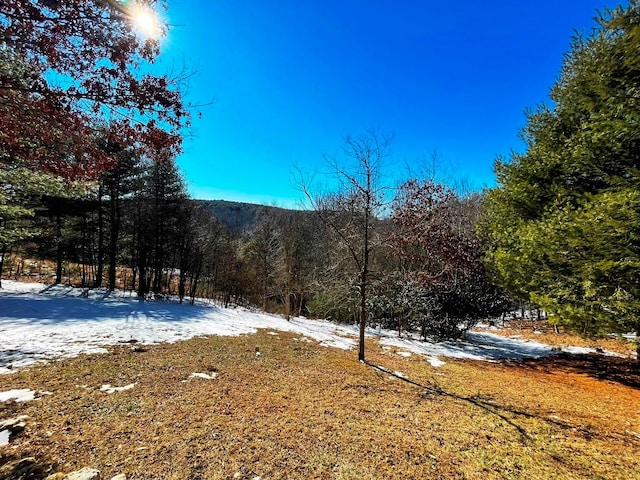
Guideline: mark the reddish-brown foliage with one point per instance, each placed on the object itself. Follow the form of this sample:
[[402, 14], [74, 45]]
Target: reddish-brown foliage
[[68, 66], [428, 238]]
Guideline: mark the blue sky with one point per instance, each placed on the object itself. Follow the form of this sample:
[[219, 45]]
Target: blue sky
[[289, 79]]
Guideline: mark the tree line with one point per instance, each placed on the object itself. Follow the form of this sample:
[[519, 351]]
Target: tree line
[[135, 227], [88, 177]]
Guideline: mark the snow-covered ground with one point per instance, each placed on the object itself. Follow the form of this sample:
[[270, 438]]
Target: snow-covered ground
[[40, 323]]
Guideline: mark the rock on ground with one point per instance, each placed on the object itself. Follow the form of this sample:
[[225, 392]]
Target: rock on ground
[[84, 474]]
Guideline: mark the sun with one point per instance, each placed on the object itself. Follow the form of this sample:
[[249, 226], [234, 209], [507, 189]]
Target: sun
[[146, 21]]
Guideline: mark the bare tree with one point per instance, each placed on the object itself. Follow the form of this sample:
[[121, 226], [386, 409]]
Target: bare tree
[[351, 211]]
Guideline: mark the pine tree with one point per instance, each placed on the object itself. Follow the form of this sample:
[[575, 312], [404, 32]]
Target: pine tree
[[21, 192], [564, 221]]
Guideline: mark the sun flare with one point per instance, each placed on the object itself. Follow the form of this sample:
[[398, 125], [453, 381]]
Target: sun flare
[[146, 21]]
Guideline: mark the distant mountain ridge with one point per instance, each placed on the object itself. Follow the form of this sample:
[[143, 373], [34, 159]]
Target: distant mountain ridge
[[240, 216]]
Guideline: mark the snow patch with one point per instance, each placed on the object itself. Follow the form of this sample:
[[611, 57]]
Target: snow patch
[[588, 350], [39, 323], [435, 362], [205, 376], [109, 389], [303, 339], [4, 437], [404, 354], [20, 395], [577, 350], [476, 346], [22, 287]]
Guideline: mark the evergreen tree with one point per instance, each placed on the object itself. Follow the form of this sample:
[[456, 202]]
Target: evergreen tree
[[153, 226], [564, 221], [21, 192]]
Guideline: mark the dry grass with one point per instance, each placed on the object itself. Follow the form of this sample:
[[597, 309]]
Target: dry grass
[[304, 411]]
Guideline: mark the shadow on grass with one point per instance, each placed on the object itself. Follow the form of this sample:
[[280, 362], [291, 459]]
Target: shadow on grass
[[484, 404], [613, 369], [610, 368]]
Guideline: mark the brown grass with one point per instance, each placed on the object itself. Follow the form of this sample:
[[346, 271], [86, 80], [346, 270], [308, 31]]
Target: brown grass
[[304, 411]]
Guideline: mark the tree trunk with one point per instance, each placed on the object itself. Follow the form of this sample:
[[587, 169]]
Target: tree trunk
[[363, 312], [363, 288], [287, 303], [134, 274], [158, 259], [638, 343], [59, 250], [300, 304], [3, 252], [100, 272], [364, 274], [114, 221], [194, 286], [142, 273], [11, 265], [181, 284], [113, 244]]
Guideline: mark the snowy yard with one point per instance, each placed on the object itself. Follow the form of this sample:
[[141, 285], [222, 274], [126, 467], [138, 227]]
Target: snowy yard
[[40, 323]]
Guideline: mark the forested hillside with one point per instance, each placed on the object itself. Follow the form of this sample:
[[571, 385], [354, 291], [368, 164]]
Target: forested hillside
[[146, 334], [239, 216]]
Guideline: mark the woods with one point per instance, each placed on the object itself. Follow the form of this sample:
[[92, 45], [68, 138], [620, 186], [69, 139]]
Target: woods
[[74, 101], [89, 181]]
